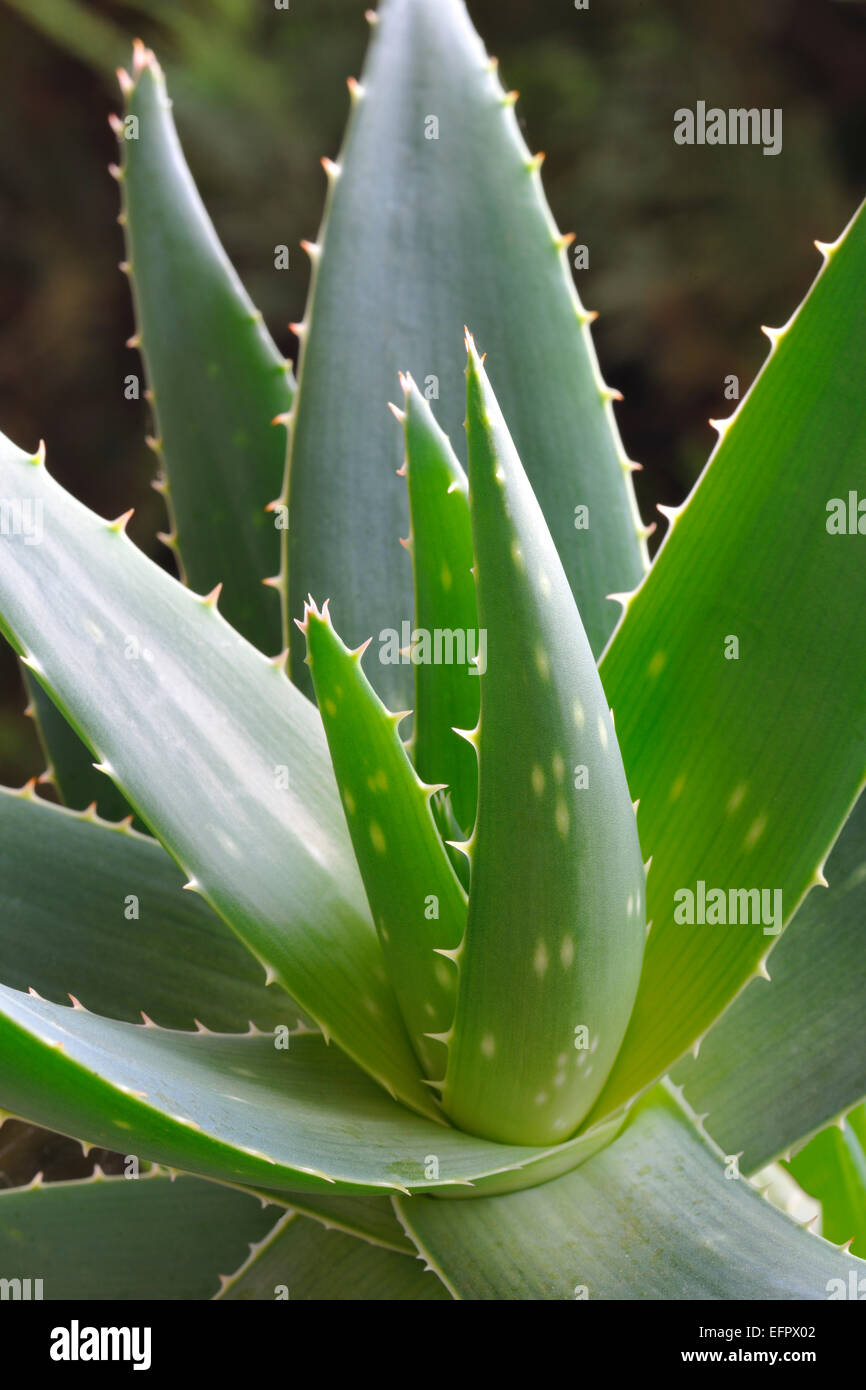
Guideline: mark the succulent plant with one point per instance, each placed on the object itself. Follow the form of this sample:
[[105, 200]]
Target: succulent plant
[[438, 985]]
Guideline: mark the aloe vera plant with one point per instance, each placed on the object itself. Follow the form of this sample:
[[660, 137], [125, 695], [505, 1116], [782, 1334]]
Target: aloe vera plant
[[485, 983]]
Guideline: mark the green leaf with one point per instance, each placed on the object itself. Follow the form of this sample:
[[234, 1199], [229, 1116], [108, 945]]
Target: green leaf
[[422, 235], [246, 1110], [298, 1260], [68, 762], [124, 1238], [554, 937], [109, 923], [832, 1168], [653, 1216], [747, 768], [217, 379], [222, 757], [785, 1058], [371, 1218], [416, 899], [447, 692]]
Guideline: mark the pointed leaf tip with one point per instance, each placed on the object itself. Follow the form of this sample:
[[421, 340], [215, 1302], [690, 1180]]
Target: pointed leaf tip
[[530, 949]]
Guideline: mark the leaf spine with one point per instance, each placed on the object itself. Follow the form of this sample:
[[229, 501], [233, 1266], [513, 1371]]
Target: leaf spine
[[120, 523]]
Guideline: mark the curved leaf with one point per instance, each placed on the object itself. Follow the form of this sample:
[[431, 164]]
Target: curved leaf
[[436, 218], [217, 379], [746, 768], [652, 1216], [416, 899], [222, 757], [283, 1113], [786, 1058], [120, 1238], [370, 1218], [555, 932], [298, 1260], [97, 911]]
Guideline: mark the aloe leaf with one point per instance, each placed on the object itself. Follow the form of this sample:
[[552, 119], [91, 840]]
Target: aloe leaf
[[832, 1168], [447, 691], [284, 1112], [217, 379], [370, 1218], [785, 1058], [298, 1260], [177, 709], [69, 764], [416, 899], [653, 1216], [99, 912], [435, 218], [743, 779], [127, 1238], [551, 957]]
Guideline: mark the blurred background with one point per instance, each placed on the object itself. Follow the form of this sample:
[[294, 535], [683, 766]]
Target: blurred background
[[690, 249]]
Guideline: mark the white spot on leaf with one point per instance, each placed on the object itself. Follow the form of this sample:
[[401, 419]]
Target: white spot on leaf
[[735, 800], [755, 831], [676, 790]]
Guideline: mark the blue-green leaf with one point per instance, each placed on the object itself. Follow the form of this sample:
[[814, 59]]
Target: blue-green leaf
[[554, 937], [436, 218]]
